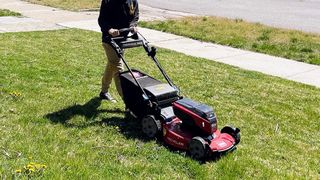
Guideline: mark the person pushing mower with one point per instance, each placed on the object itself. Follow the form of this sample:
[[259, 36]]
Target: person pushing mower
[[181, 122], [115, 15]]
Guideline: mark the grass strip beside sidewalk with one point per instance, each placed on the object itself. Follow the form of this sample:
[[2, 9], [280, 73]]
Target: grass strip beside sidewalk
[[50, 114], [70, 4], [291, 44], [6, 12]]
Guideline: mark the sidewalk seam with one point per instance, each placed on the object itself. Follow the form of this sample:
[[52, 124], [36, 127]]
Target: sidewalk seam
[[297, 74], [241, 54], [167, 40]]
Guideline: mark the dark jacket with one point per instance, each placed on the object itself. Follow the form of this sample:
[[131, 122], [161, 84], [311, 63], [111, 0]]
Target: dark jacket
[[117, 14]]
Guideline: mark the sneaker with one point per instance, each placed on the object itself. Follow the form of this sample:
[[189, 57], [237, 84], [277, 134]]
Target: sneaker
[[126, 109], [107, 96]]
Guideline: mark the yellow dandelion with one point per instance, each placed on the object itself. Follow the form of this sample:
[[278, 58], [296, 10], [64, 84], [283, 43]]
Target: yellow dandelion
[[18, 171], [32, 170], [37, 166], [29, 166], [15, 94]]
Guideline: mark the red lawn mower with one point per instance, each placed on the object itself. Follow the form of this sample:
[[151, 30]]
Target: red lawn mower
[[181, 122]]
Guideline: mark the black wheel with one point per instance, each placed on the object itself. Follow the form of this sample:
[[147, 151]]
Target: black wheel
[[197, 148], [237, 138], [151, 126], [234, 132]]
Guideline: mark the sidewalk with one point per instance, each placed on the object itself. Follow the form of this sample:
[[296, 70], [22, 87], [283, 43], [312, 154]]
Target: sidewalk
[[46, 18]]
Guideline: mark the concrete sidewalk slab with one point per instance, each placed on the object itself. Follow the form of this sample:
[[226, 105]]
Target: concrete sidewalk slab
[[27, 27], [22, 24], [91, 25], [198, 48], [275, 66], [14, 20], [310, 77]]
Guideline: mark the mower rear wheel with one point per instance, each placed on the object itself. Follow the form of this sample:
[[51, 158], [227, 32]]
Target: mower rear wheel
[[197, 148], [151, 126]]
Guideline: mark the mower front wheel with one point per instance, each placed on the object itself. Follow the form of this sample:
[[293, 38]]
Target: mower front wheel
[[198, 148], [233, 131], [151, 126]]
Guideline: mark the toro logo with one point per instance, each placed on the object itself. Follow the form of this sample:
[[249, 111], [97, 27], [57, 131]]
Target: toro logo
[[175, 141]]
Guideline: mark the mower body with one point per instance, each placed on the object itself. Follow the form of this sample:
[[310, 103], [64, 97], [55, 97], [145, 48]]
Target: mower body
[[180, 119], [181, 122]]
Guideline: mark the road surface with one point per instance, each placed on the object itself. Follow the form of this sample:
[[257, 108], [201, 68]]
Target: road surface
[[301, 15]]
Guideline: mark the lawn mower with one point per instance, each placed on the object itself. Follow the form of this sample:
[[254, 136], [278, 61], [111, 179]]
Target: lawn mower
[[181, 122]]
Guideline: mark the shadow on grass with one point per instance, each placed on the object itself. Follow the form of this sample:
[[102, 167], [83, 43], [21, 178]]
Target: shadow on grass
[[128, 125], [89, 111]]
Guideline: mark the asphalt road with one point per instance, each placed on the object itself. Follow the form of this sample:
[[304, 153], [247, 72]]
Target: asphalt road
[[301, 15]]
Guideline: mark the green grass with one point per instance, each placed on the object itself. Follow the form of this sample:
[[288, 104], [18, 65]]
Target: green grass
[[49, 114], [237, 33], [70, 4], [6, 12]]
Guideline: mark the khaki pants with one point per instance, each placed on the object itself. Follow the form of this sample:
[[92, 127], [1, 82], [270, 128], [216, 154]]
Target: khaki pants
[[113, 68]]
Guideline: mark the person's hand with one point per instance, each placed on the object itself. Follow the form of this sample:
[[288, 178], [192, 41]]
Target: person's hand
[[135, 29], [114, 32]]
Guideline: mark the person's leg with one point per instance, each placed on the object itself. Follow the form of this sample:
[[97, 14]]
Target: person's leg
[[107, 78], [119, 69], [113, 67]]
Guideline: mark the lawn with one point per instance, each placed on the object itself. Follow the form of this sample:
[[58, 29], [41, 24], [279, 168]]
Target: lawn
[[50, 115], [291, 44], [6, 12]]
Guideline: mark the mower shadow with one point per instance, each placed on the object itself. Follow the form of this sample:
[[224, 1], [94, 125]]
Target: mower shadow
[[128, 126], [89, 110]]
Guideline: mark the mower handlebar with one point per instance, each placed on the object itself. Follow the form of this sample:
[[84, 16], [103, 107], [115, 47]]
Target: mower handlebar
[[130, 29]]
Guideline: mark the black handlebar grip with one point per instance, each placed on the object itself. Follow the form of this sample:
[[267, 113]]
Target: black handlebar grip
[[126, 30]]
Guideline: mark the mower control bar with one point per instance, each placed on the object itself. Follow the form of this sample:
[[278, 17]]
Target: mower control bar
[[131, 29], [126, 42]]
